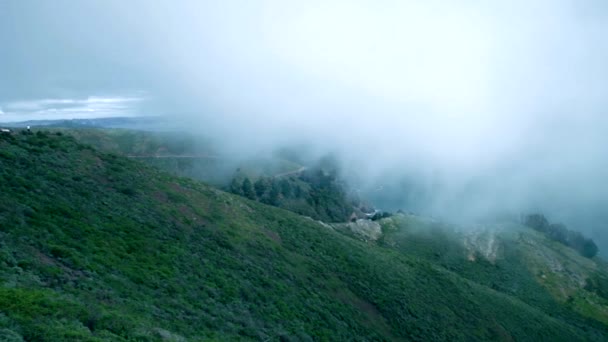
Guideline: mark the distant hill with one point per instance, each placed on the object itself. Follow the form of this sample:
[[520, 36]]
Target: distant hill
[[509, 258], [151, 123], [313, 191], [95, 246]]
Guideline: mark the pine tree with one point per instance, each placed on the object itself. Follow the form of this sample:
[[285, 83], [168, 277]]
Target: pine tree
[[298, 193], [236, 187], [248, 189], [260, 186], [275, 192], [286, 188]]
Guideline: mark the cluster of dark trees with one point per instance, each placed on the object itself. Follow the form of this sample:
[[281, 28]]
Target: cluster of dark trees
[[380, 215], [327, 195], [559, 232], [315, 193], [267, 190]]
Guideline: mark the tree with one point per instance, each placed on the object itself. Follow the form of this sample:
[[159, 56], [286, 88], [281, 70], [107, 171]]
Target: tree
[[236, 187], [380, 215], [286, 188], [275, 192], [261, 186], [537, 221], [248, 189], [560, 233], [589, 249], [298, 193]]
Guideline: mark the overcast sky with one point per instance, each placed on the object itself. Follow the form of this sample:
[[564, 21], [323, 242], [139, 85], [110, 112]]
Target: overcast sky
[[505, 97]]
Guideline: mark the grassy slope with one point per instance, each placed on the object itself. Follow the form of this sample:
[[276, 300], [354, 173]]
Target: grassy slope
[[181, 154], [94, 246], [140, 143], [511, 259], [188, 156]]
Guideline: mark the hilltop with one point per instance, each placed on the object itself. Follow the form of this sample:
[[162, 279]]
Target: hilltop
[[508, 257], [96, 246], [279, 179]]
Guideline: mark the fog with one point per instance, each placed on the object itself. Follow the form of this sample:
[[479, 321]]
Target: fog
[[457, 109]]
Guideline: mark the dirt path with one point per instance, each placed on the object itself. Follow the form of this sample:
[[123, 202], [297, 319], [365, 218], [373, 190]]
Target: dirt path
[[190, 156], [206, 156], [289, 173]]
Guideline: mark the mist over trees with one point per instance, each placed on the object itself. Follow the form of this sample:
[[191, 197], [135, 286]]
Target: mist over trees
[[462, 94], [334, 114], [560, 233], [316, 193], [248, 189]]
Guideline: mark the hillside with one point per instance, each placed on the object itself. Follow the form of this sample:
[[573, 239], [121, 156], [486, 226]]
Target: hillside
[[309, 192], [180, 153], [95, 246], [509, 258], [277, 180]]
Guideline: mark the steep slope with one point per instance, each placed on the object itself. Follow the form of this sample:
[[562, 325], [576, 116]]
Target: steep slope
[[94, 246], [510, 258], [311, 191], [180, 153]]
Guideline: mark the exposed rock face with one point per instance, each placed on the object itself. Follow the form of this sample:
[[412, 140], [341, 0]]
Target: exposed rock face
[[482, 242], [369, 230]]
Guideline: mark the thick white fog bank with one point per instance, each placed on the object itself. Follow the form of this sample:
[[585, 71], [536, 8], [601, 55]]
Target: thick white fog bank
[[479, 106]]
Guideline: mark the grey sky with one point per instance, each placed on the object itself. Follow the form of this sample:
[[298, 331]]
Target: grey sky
[[504, 97]]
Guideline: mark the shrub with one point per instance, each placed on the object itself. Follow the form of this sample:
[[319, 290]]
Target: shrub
[[248, 189], [128, 191], [560, 233]]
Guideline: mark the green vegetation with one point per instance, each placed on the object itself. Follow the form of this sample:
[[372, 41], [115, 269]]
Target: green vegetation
[[181, 154], [310, 192], [510, 259], [276, 181], [560, 233], [141, 143], [95, 247]]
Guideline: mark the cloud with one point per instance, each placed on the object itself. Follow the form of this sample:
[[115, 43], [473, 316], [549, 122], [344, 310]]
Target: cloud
[[464, 109], [72, 108], [474, 106]]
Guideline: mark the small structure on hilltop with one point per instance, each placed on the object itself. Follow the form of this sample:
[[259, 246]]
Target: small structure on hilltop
[[5, 130]]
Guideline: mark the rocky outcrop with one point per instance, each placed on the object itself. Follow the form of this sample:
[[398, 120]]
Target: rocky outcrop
[[366, 229]]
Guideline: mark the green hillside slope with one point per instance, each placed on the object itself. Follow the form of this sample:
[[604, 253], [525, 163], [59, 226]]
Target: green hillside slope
[[509, 258], [180, 153], [95, 246], [312, 190]]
